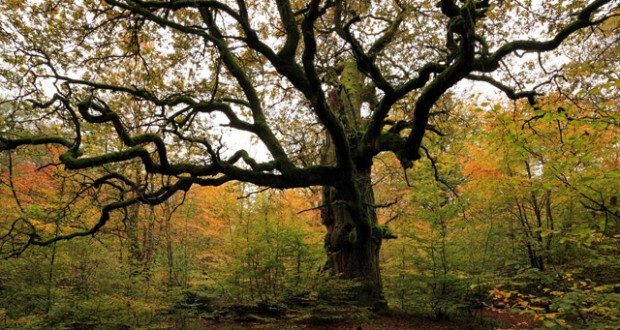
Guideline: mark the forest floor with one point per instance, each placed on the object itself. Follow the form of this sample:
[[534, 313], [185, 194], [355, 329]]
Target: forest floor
[[392, 320]]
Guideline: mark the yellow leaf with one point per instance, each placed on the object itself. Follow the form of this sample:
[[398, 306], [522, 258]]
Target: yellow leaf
[[601, 288]]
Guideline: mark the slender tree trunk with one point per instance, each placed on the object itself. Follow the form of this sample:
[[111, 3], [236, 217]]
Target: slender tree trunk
[[172, 279], [50, 279], [148, 243], [135, 255]]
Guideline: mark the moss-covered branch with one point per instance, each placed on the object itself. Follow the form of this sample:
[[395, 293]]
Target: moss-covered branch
[[10, 144]]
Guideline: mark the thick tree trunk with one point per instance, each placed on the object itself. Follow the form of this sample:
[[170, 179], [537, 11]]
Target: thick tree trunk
[[353, 245], [353, 238]]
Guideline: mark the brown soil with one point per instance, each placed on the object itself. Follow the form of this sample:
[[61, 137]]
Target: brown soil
[[392, 320]]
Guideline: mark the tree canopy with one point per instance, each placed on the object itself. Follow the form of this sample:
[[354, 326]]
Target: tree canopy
[[168, 83]]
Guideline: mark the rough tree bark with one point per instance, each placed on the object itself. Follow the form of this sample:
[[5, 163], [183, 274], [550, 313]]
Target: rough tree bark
[[353, 239], [352, 244]]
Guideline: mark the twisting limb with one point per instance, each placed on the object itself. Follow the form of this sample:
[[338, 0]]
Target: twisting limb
[[12, 184], [510, 92], [436, 172]]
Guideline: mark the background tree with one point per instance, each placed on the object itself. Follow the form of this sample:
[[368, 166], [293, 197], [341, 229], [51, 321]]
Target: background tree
[[175, 80]]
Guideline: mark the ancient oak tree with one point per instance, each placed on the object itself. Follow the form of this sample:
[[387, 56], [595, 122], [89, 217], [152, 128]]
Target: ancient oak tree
[[322, 86]]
